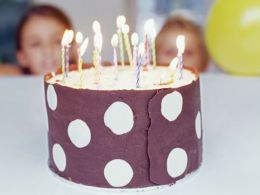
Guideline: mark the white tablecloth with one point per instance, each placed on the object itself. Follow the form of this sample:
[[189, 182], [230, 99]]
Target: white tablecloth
[[231, 121]]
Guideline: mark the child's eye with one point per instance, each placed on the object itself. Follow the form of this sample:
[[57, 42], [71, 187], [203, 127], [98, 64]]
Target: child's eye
[[35, 44]]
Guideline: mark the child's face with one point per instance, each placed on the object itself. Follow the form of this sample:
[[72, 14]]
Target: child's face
[[40, 44], [167, 49]]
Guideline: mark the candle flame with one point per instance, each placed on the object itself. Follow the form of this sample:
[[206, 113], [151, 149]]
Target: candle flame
[[174, 63], [114, 40], [79, 38], [141, 49], [98, 41], [180, 42], [84, 46], [134, 39], [120, 21], [67, 37], [149, 25], [125, 29], [96, 27]]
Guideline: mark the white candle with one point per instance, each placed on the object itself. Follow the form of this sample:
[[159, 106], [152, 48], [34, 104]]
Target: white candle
[[114, 43], [120, 23], [65, 42]]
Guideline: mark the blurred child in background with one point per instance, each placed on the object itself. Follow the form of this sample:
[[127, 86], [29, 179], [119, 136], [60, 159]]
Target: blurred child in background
[[38, 39], [195, 54]]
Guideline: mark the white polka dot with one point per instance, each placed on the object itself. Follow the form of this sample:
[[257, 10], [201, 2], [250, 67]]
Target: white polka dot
[[79, 133], [119, 118], [118, 173], [52, 97], [59, 157], [171, 105], [177, 162], [198, 125]]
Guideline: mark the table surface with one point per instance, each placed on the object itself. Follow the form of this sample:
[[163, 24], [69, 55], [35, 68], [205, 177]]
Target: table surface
[[231, 156]]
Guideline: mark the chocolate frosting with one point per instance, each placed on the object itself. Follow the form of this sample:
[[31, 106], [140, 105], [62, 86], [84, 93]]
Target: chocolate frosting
[[145, 147]]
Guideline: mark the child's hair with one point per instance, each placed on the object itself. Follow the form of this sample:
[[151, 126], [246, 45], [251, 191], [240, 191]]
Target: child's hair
[[45, 11], [180, 22]]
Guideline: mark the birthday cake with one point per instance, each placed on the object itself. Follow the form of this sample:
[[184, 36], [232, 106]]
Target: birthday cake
[[111, 134]]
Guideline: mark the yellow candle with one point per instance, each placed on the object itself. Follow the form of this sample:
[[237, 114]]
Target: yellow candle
[[82, 50], [63, 61], [79, 39], [98, 41], [125, 31]]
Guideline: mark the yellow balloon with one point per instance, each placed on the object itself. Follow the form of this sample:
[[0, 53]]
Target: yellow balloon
[[233, 36]]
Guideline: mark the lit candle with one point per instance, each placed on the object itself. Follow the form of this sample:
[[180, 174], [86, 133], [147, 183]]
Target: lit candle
[[180, 43], [81, 50], [134, 41], [97, 48], [141, 51], [98, 41], [153, 36], [79, 40], [125, 30], [120, 23], [173, 66], [114, 43], [148, 27], [65, 43]]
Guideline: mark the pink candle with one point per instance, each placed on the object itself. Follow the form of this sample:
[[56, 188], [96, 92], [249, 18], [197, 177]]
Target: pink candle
[[180, 42]]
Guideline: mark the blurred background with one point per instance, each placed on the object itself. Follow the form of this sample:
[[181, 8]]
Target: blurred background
[[84, 12], [231, 28]]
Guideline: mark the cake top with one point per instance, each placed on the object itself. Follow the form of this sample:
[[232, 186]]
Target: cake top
[[124, 79]]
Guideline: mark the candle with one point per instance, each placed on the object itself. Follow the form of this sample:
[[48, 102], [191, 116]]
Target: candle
[[148, 27], [81, 52], [141, 51], [134, 41], [120, 23], [125, 30], [65, 43], [180, 43], [153, 36], [173, 66], [98, 41], [97, 48], [79, 40], [114, 43]]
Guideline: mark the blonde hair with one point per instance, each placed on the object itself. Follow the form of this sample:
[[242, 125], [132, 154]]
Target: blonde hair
[[180, 22]]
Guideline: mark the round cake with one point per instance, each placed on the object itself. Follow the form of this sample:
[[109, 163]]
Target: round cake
[[110, 134]]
